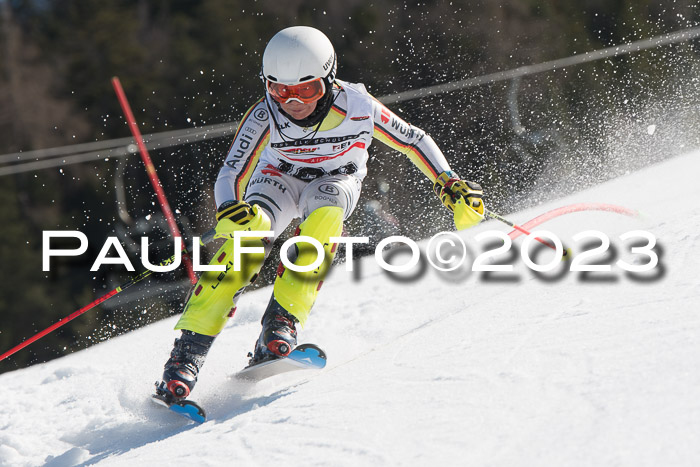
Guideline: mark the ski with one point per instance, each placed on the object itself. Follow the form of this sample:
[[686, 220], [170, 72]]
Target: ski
[[303, 357], [186, 408]]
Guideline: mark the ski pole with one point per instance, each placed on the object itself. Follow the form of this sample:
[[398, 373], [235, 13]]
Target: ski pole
[[151, 171], [565, 254], [206, 238]]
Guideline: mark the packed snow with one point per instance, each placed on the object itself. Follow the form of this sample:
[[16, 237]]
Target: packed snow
[[461, 368]]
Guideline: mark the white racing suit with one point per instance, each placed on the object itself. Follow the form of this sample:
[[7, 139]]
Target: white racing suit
[[311, 173]]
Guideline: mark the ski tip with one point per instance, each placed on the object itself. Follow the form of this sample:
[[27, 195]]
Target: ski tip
[[186, 408], [189, 409], [312, 355]]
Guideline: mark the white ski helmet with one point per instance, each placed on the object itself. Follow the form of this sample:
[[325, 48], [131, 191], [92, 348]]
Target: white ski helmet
[[298, 54]]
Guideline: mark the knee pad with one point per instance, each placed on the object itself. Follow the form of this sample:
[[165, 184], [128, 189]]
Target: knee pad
[[248, 218]]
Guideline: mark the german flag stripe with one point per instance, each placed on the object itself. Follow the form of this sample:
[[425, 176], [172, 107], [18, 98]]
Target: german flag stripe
[[334, 119], [417, 156], [244, 176], [394, 140], [339, 109]]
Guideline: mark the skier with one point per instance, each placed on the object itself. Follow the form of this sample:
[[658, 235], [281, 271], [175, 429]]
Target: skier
[[299, 151]]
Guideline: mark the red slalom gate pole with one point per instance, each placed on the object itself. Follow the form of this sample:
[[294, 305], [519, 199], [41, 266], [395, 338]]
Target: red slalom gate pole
[[60, 323], [151, 170], [206, 238], [580, 207], [92, 305]]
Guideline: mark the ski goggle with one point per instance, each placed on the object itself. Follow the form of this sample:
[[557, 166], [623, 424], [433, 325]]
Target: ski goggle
[[307, 92]]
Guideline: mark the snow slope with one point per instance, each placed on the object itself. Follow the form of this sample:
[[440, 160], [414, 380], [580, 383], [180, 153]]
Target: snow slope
[[446, 370]]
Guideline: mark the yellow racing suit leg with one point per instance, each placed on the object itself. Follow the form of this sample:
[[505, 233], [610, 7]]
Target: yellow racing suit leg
[[296, 291], [212, 299]]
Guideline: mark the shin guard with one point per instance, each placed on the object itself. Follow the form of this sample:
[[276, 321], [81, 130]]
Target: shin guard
[[296, 291], [212, 299]]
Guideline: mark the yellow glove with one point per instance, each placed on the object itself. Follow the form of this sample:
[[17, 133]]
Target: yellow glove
[[461, 197], [238, 215]]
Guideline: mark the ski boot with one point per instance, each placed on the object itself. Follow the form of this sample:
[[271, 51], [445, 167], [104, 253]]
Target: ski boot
[[278, 336], [182, 368]]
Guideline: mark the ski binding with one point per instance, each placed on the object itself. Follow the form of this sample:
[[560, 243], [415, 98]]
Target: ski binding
[[303, 357]]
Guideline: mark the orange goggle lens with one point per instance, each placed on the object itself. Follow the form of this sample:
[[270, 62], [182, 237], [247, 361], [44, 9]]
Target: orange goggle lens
[[307, 92]]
